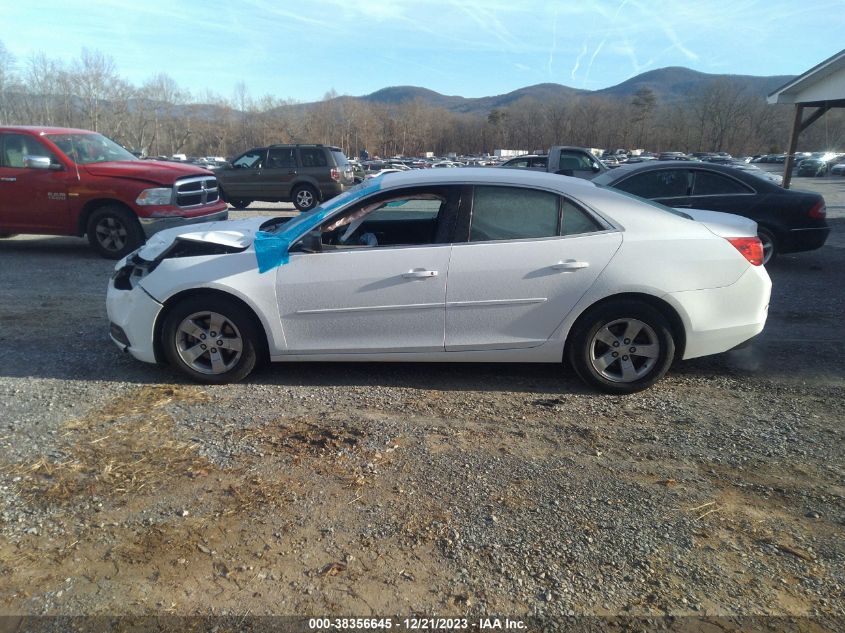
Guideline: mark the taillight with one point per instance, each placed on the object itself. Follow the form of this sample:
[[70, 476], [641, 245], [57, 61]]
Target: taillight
[[750, 247], [335, 174], [819, 211]]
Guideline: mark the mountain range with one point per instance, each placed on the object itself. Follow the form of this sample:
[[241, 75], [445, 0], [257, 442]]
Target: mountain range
[[668, 84]]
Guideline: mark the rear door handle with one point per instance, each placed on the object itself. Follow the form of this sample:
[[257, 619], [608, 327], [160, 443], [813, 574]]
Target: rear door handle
[[571, 264], [6, 179], [420, 274]]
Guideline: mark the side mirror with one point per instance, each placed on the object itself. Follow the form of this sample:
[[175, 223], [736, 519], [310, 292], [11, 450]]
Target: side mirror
[[39, 162], [596, 167], [312, 242]]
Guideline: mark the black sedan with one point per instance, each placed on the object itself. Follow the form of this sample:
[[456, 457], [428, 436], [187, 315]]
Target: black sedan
[[787, 221]]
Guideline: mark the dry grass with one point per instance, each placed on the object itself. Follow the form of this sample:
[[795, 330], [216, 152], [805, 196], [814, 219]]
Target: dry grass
[[125, 448]]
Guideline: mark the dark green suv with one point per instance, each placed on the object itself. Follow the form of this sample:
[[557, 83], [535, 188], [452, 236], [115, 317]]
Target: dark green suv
[[303, 174]]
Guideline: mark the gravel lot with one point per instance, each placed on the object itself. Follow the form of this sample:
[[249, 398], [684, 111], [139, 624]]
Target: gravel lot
[[355, 489]]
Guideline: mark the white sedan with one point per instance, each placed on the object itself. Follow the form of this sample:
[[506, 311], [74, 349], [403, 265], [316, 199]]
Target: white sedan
[[449, 265]]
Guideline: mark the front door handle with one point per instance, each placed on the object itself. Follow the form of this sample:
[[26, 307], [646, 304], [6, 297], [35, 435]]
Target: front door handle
[[571, 264], [420, 274], [5, 179]]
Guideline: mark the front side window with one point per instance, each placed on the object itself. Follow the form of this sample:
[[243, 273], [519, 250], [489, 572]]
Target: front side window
[[663, 183], [15, 147], [400, 218], [85, 149], [511, 213], [711, 184], [575, 161], [251, 160]]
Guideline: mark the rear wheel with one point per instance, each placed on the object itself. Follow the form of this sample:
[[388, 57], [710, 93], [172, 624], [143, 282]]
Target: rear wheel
[[114, 231], [210, 339], [769, 244], [240, 204], [304, 198], [622, 347]]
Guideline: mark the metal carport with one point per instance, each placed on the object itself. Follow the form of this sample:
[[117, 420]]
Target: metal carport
[[822, 87]]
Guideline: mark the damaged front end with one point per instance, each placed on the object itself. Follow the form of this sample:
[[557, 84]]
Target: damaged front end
[[126, 277]]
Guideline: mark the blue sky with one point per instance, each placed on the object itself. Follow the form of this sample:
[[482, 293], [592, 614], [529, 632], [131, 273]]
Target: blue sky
[[300, 50]]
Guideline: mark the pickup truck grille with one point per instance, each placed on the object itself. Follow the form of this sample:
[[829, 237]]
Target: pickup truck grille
[[195, 192]]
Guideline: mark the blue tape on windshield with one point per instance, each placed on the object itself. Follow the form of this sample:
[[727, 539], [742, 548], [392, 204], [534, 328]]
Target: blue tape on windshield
[[271, 249]]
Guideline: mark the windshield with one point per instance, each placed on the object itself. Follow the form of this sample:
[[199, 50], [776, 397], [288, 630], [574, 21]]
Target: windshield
[[650, 203], [85, 149]]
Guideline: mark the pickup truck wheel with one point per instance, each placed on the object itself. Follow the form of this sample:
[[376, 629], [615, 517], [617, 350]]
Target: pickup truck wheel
[[210, 339], [240, 204], [304, 198], [114, 231]]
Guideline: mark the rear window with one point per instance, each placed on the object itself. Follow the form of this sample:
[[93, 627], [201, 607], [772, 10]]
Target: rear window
[[339, 158], [651, 203]]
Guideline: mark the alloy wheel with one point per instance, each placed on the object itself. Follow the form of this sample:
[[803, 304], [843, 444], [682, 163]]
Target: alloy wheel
[[624, 350], [208, 342], [111, 233]]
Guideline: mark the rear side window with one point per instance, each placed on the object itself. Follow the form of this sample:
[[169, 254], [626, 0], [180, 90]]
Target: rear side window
[[540, 161], [510, 213], [313, 157], [711, 184], [664, 183], [576, 220], [521, 163], [281, 157]]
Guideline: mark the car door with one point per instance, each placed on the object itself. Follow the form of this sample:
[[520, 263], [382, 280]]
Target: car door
[[277, 174], [32, 199], [367, 294], [669, 186], [241, 180], [529, 258]]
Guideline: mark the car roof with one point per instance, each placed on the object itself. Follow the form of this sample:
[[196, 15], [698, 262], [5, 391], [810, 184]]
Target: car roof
[[43, 129], [625, 170], [484, 176]]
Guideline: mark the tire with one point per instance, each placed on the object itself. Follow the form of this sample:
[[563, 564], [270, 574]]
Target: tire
[[113, 231], [191, 346], [240, 204], [304, 197], [770, 244], [603, 329]]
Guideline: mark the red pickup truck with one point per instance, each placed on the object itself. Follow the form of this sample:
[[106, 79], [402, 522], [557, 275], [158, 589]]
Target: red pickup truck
[[62, 181]]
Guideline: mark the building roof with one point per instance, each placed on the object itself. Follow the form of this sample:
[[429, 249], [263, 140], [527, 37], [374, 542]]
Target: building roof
[[824, 84]]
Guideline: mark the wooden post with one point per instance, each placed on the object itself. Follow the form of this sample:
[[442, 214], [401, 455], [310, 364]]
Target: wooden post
[[793, 144]]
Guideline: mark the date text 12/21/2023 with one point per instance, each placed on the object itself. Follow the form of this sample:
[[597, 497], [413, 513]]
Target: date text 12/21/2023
[[414, 624]]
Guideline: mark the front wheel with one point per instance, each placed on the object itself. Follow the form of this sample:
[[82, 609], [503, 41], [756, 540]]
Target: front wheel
[[210, 339], [114, 231], [622, 347]]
